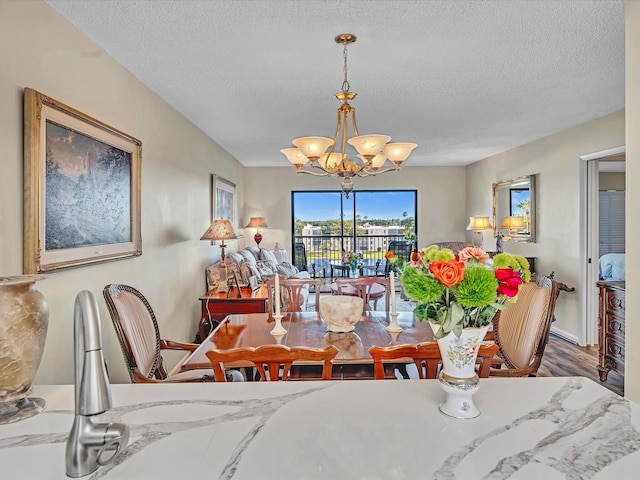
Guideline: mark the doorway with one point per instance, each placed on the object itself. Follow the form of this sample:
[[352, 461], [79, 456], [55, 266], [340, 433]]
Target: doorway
[[590, 167]]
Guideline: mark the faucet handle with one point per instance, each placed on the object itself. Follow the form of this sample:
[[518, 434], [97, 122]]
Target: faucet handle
[[116, 438]]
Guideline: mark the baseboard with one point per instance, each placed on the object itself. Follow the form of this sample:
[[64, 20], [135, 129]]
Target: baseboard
[[564, 335]]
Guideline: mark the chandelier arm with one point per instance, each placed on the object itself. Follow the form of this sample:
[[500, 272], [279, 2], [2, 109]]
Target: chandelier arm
[[345, 116], [355, 124], [378, 172], [316, 174], [337, 134]]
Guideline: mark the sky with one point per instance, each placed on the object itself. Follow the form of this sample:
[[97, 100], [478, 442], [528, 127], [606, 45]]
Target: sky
[[373, 204]]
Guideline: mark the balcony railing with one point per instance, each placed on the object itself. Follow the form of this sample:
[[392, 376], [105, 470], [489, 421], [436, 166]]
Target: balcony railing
[[324, 250]]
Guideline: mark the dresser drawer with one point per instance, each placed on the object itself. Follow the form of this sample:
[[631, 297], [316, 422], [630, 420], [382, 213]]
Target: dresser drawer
[[614, 352], [614, 326], [615, 302]]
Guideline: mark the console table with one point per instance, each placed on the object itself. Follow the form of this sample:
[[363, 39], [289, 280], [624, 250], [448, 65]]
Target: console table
[[217, 305]]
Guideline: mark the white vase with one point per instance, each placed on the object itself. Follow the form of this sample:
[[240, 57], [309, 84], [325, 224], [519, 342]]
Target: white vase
[[458, 377], [24, 318]]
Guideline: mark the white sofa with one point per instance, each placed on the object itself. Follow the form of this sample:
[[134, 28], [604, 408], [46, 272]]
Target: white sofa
[[260, 263]]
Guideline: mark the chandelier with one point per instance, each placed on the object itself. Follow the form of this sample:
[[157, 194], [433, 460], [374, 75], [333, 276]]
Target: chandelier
[[376, 155]]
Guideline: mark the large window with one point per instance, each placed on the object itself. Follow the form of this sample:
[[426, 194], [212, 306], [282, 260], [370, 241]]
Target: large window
[[326, 224]]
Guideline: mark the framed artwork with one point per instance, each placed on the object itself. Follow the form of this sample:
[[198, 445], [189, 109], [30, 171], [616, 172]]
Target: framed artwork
[[81, 188], [223, 199]]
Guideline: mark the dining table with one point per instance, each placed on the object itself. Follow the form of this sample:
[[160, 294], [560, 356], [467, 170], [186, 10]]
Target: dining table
[[307, 329], [529, 429]]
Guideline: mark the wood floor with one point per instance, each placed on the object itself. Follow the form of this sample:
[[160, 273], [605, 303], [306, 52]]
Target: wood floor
[[564, 359]]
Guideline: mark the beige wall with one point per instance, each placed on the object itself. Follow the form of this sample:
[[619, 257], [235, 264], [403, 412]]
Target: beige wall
[[632, 93], [441, 199], [43, 51], [555, 162], [611, 181]]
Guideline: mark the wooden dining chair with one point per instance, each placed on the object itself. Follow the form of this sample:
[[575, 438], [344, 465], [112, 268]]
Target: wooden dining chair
[[137, 331], [370, 289], [273, 362], [293, 291], [522, 330], [427, 359]]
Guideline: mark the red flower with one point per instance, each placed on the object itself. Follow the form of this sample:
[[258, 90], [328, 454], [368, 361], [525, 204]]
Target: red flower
[[447, 273], [389, 255], [509, 281]]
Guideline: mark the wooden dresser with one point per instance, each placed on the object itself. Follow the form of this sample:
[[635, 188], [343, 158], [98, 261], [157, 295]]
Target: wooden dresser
[[611, 328]]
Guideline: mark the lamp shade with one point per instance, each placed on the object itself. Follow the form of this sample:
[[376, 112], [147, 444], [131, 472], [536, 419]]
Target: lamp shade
[[479, 223], [513, 223], [257, 222], [220, 229]]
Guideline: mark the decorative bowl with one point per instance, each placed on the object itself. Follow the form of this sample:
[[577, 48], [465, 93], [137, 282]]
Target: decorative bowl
[[341, 312]]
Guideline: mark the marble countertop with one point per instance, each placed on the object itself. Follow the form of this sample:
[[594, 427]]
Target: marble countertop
[[530, 428]]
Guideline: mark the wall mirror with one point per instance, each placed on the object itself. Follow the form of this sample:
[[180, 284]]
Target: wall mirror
[[514, 209]]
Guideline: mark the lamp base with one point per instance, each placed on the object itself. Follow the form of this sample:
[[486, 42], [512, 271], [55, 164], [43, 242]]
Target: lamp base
[[258, 238]]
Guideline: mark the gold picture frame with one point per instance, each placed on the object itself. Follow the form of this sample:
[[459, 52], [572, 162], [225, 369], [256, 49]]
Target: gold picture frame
[[81, 188], [223, 200]]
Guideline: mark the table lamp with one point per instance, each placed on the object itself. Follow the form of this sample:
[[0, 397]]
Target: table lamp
[[220, 229], [257, 223], [513, 224], [478, 225]]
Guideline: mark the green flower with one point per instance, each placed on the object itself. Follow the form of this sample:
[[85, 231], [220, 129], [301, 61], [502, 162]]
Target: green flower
[[419, 287], [478, 289], [434, 254]]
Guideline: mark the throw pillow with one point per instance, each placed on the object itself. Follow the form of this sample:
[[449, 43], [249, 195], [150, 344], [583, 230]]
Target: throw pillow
[[216, 278], [248, 257], [267, 255], [265, 268], [255, 251], [255, 272], [286, 269], [233, 261]]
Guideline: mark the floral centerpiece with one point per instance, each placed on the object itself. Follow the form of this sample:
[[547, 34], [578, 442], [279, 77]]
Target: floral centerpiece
[[353, 259], [460, 291]]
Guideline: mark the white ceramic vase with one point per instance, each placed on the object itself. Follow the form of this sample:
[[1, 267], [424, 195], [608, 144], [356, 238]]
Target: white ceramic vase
[[458, 376], [24, 318]]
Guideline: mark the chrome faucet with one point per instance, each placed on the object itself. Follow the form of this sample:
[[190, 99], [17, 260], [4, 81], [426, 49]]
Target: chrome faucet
[[90, 444]]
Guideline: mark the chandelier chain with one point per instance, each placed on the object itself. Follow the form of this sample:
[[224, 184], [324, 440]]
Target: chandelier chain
[[345, 69]]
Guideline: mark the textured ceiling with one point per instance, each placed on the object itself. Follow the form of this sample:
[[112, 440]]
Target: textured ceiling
[[463, 79]]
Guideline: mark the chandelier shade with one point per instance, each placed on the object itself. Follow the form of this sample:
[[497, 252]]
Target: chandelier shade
[[324, 156]]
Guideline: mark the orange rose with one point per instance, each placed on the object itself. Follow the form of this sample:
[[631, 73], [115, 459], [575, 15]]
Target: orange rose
[[447, 273], [389, 255]]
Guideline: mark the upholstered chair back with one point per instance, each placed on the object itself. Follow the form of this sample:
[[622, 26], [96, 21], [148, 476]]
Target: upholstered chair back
[[137, 330], [522, 330]]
